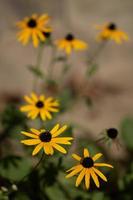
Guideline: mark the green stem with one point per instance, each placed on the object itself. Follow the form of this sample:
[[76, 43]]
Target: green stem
[[97, 52], [33, 169], [51, 64], [38, 64]]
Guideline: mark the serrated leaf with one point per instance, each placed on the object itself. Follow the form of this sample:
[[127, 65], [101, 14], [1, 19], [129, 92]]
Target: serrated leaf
[[37, 72]]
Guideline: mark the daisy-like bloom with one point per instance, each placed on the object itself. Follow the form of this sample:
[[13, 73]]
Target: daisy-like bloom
[[110, 136], [47, 140], [40, 106], [33, 28], [70, 43], [110, 31], [87, 168]]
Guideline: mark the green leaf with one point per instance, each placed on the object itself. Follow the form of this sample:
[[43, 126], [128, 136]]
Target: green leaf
[[16, 173], [37, 72], [127, 132]]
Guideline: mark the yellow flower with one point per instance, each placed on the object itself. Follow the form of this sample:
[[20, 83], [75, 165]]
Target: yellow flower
[[40, 106], [33, 28], [70, 43], [87, 169], [110, 31], [47, 140]]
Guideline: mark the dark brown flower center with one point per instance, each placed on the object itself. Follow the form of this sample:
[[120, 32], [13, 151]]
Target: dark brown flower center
[[45, 136], [40, 104], [46, 34], [87, 162], [32, 23], [69, 37], [112, 133], [112, 26]]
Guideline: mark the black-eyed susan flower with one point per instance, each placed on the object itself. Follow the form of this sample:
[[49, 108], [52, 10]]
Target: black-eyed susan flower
[[87, 168], [40, 106], [47, 140], [110, 136], [110, 31], [33, 28], [70, 43]]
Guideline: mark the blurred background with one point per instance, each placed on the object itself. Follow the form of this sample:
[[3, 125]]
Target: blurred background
[[112, 85]]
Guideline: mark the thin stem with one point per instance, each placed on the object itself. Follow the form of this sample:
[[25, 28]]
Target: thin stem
[[38, 64], [51, 64], [65, 67], [97, 52]]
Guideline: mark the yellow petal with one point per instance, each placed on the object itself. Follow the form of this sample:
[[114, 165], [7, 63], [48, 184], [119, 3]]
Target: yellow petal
[[97, 156], [37, 149], [31, 141], [80, 177], [103, 165], [100, 174], [34, 97], [95, 178], [86, 153], [27, 108], [35, 131], [29, 100], [51, 150], [63, 140], [47, 148], [54, 129], [48, 115], [76, 157], [35, 39], [42, 115], [87, 179], [59, 148], [72, 168], [61, 130], [75, 171], [29, 134]]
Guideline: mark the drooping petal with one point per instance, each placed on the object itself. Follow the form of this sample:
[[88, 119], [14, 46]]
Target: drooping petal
[[97, 156], [46, 148], [37, 149], [59, 148], [87, 179], [95, 178], [100, 174], [80, 177]]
